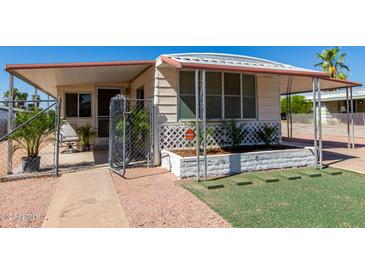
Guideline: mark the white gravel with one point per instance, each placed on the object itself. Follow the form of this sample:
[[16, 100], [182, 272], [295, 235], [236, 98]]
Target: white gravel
[[151, 198], [24, 203]]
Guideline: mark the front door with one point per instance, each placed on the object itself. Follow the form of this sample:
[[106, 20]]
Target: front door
[[104, 97]]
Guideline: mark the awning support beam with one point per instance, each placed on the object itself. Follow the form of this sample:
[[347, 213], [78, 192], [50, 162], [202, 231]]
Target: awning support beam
[[197, 133], [10, 123], [320, 122], [352, 120], [314, 81]]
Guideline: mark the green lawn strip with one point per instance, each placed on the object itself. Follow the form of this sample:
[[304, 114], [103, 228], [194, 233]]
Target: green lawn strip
[[214, 184], [240, 180], [327, 201], [267, 178], [331, 171], [289, 175], [309, 172]]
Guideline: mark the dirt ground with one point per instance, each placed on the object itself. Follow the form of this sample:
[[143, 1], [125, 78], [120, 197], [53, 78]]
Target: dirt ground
[[152, 198], [24, 203]]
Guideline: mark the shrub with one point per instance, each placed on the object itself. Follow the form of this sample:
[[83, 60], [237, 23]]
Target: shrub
[[235, 133], [267, 133]]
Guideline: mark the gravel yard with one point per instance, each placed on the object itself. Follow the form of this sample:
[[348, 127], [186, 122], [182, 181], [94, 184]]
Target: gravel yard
[[151, 198], [24, 203]]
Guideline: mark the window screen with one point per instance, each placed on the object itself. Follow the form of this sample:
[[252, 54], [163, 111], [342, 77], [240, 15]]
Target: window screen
[[71, 104], [232, 95], [187, 95], [214, 95], [84, 105], [249, 96]]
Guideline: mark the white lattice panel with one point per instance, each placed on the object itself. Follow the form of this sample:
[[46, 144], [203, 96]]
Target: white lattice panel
[[172, 134]]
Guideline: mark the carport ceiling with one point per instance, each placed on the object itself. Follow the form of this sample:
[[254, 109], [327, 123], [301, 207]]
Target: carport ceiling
[[47, 77]]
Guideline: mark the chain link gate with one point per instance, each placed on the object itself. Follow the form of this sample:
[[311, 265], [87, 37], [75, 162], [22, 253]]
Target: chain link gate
[[130, 133]]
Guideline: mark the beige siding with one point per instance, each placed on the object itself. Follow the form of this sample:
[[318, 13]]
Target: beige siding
[[268, 95], [166, 94], [146, 80]]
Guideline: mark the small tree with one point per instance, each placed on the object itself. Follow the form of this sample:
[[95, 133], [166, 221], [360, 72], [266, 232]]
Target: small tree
[[30, 136], [299, 104]]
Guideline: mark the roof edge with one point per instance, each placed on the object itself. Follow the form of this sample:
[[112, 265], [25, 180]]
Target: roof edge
[[257, 70], [9, 67]]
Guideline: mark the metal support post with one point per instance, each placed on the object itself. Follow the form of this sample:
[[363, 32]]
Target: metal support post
[[315, 123], [320, 122], [348, 118], [10, 123], [352, 120], [197, 116], [204, 125], [58, 124]]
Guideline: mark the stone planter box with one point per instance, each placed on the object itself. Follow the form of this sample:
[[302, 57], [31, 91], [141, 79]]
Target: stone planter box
[[227, 164]]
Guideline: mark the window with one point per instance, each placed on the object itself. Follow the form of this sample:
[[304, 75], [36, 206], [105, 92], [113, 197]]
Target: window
[[248, 96], [232, 95], [78, 104], [84, 105], [233, 92], [187, 95], [214, 95]]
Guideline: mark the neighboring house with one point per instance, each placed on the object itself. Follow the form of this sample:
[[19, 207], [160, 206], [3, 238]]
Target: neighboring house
[[334, 106], [245, 89], [335, 102]]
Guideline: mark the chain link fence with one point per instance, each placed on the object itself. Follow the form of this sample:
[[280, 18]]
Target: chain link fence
[[130, 133], [333, 124], [29, 146]]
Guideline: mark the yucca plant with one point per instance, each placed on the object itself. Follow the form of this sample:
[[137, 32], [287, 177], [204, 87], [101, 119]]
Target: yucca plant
[[85, 133]]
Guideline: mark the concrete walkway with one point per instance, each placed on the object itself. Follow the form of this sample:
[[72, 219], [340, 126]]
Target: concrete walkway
[[86, 199], [350, 159]]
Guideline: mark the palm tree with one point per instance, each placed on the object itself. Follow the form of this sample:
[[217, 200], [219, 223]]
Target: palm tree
[[333, 62], [17, 95]]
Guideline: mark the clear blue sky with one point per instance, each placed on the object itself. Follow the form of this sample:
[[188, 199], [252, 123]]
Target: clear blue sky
[[297, 56]]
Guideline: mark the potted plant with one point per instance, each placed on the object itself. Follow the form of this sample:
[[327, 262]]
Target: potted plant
[[30, 136], [85, 133]]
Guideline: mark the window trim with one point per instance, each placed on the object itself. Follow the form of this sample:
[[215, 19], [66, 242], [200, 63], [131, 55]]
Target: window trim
[[78, 104], [223, 95]]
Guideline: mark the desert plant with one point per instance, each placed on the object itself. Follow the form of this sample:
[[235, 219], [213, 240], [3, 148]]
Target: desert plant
[[210, 131], [31, 135], [235, 133], [266, 134], [85, 133]]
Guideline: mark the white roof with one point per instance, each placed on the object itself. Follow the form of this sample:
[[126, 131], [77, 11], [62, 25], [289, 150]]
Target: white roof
[[233, 60], [339, 95]]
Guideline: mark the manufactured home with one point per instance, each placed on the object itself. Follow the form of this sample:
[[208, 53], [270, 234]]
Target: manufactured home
[[237, 88]]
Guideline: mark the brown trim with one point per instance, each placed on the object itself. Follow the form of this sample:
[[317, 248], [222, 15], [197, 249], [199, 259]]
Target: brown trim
[[350, 83], [171, 62], [9, 67]]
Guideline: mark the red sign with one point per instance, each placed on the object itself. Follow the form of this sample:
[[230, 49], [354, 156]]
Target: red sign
[[189, 134]]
